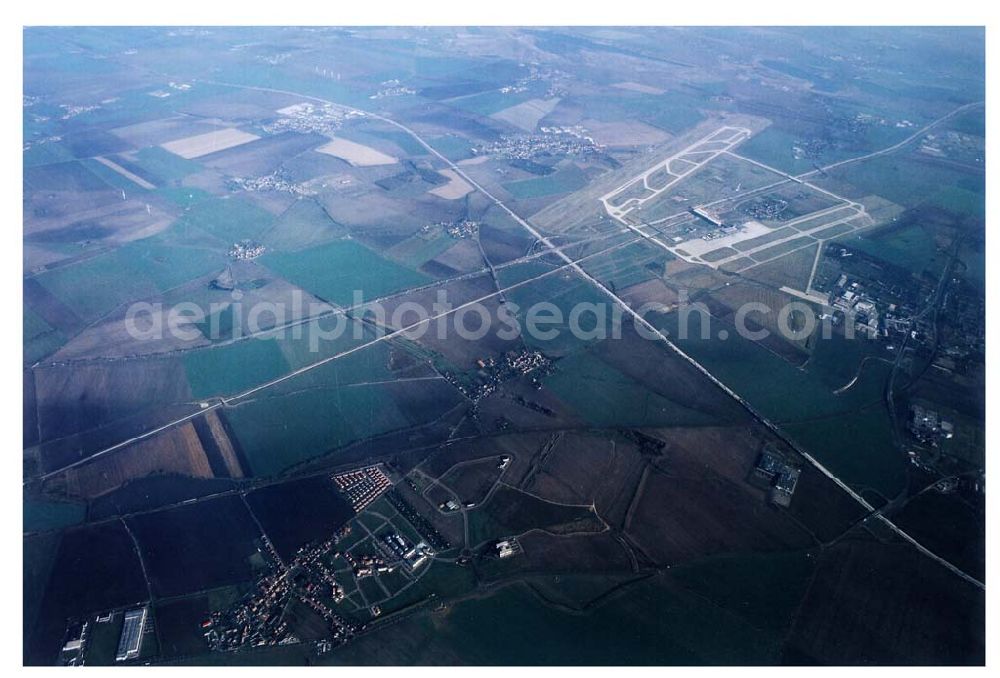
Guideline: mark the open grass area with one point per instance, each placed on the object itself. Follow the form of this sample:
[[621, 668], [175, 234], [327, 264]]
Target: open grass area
[[40, 339], [629, 265], [565, 291], [493, 101], [763, 589], [114, 178], [911, 247], [671, 111], [510, 512], [305, 224], [277, 432], [420, 248], [452, 146]]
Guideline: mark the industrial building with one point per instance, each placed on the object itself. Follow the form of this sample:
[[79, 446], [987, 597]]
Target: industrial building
[[783, 477], [131, 637]]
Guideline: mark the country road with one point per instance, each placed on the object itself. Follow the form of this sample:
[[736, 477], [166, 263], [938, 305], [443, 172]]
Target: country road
[[895, 147]]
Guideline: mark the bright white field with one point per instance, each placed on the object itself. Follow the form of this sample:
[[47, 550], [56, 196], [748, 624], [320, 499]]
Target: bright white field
[[357, 154], [211, 142], [456, 187]]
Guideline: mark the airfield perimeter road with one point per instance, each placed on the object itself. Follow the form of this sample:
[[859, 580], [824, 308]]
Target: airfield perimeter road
[[637, 317]]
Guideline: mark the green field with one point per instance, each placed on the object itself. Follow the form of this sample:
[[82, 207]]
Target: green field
[[442, 579], [671, 111], [420, 248], [39, 338], [565, 290], [850, 433], [113, 178], [34, 325], [231, 369], [971, 122], [774, 145], [336, 403], [305, 224], [183, 196], [629, 265], [493, 101], [277, 432], [570, 178], [516, 273], [910, 181], [376, 138], [235, 367], [164, 165], [452, 146], [46, 154], [650, 622], [40, 514], [607, 398], [229, 219], [94, 287], [510, 512], [334, 271], [911, 247], [763, 589]]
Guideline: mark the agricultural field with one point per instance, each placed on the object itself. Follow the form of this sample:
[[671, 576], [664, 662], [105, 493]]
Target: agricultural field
[[816, 412], [355, 154], [719, 397], [565, 180], [603, 395], [197, 547], [97, 286], [316, 413], [334, 272], [455, 188], [318, 511], [207, 143]]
